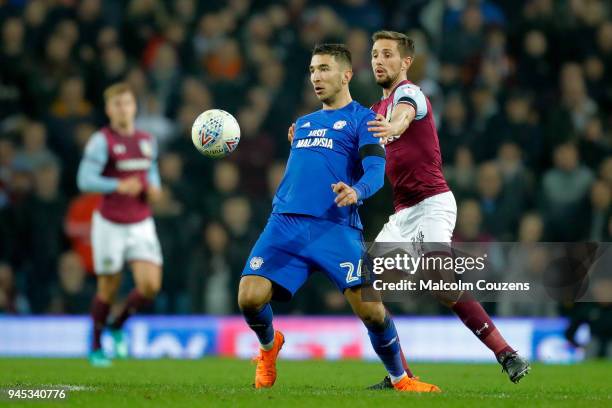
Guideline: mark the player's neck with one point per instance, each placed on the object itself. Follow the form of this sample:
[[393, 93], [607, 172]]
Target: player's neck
[[343, 99], [123, 130], [387, 91]]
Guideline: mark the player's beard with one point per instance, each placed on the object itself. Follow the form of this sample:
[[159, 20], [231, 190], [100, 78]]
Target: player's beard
[[387, 81]]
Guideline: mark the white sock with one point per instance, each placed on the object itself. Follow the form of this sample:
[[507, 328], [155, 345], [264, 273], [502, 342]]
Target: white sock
[[395, 379], [268, 346]]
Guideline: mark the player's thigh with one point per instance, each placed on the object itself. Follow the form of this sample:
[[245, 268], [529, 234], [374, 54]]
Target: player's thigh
[[142, 243], [109, 242], [147, 277], [277, 256], [337, 250], [370, 312]]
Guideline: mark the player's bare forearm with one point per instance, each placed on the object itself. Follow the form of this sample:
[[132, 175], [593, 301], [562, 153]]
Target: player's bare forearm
[[154, 194], [402, 116], [130, 186]]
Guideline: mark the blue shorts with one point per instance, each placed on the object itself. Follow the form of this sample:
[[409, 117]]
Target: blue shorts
[[293, 246]]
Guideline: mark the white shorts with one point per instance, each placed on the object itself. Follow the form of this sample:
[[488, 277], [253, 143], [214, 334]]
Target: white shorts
[[114, 243], [431, 220]]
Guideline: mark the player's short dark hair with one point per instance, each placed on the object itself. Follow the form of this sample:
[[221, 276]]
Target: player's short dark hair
[[340, 52], [405, 44]]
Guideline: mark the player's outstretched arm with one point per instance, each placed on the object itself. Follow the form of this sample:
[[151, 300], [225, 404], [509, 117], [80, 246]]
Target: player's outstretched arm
[[403, 114]]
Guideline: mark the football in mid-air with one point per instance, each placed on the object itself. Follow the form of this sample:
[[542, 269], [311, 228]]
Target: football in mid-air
[[215, 133]]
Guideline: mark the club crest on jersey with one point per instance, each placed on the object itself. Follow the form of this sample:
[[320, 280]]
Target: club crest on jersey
[[339, 124], [407, 90], [256, 262], [146, 148], [119, 149]]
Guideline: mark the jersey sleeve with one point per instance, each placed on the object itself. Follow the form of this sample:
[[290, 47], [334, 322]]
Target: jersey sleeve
[[373, 177], [89, 176], [153, 176], [364, 136], [412, 95], [372, 155]]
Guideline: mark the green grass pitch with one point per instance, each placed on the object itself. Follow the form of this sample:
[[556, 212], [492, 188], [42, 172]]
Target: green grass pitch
[[213, 382]]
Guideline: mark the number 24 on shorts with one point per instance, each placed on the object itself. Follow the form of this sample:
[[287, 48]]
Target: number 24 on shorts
[[352, 275]]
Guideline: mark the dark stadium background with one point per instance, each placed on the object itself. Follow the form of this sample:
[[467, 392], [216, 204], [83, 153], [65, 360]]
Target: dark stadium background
[[521, 90]]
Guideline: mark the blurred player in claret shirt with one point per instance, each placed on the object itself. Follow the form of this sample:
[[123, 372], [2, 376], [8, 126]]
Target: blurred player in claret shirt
[[121, 163], [425, 208]]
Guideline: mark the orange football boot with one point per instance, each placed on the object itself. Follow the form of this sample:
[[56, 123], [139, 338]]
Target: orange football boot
[[265, 373], [408, 384]]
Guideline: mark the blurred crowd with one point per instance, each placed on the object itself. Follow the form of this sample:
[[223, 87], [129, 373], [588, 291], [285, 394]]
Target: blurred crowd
[[521, 92]]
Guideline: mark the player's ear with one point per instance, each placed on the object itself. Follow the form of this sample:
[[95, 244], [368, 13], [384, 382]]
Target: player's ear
[[406, 62], [347, 76]]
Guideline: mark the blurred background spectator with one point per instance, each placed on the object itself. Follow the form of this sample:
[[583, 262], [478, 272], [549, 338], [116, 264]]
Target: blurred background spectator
[[521, 92]]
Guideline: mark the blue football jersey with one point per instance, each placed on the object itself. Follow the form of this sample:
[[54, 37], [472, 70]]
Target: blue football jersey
[[325, 150]]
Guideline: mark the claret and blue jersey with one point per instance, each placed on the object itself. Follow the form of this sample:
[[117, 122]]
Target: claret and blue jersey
[[307, 231]]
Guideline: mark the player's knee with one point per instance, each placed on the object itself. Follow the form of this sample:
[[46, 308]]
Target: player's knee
[[107, 288], [253, 293], [149, 289], [447, 302], [105, 295], [250, 299], [447, 298]]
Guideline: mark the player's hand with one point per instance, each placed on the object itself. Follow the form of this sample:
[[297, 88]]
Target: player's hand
[[346, 195], [381, 127], [291, 133], [154, 195], [130, 186]]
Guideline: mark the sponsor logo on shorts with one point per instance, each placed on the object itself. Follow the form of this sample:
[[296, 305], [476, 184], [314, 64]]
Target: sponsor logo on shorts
[[256, 262]]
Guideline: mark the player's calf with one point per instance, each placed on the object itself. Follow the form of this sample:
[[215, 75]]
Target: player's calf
[[254, 294], [381, 331], [107, 286]]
